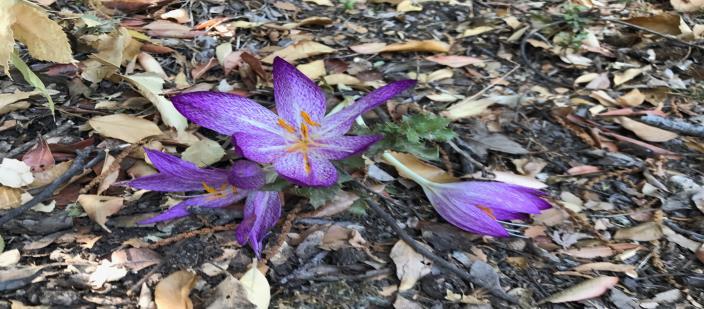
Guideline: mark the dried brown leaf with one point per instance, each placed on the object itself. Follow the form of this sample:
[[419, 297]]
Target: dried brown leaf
[[135, 258], [300, 50], [172, 291], [585, 290], [99, 208], [426, 170], [410, 265], [644, 232], [454, 61], [128, 128], [646, 132], [665, 23]]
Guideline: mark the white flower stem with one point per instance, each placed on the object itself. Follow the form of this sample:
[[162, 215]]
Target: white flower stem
[[407, 171]]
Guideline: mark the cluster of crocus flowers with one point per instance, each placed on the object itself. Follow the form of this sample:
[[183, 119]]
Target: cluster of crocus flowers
[[300, 140], [220, 187], [476, 206]]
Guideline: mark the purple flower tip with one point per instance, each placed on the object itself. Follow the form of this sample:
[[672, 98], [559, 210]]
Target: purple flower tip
[[475, 206]]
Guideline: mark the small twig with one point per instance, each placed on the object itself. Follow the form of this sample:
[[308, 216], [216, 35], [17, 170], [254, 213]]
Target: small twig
[[391, 221], [113, 167], [667, 36], [144, 278], [676, 125], [698, 237], [466, 155], [190, 234], [77, 167], [24, 147], [494, 83]]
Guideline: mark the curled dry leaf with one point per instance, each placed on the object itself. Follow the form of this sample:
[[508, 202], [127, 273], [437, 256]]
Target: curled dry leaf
[[124, 127], [665, 23], [15, 173], [179, 15], [9, 257], [431, 46], [172, 291], [622, 77], [313, 70], [10, 197], [203, 152], [151, 86], [585, 290], [426, 170], [99, 208], [410, 265], [150, 64], [257, 287], [108, 177], [454, 61], [646, 132], [299, 50], [39, 158], [629, 270], [632, 98]]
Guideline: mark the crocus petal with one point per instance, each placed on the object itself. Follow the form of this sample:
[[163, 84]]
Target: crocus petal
[[465, 216], [500, 214], [495, 195], [345, 146], [226, 113], [176, 175], [293, 168], [246, 175], [341, 122], [261, 212], [294, 93], [261, 147], [206, 200]]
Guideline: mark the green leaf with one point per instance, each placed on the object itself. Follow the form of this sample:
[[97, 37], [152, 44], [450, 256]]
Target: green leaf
[[31, 78], [2, 244], [318, 196]]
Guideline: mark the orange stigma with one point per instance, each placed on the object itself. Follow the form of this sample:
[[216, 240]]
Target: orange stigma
[[308, 120], [488, 211], [217, 193]]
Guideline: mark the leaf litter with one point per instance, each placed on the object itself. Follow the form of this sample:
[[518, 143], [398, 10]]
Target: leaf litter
[[565, 108]]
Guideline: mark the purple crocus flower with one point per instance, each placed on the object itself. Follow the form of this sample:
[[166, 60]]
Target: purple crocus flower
[[222, 188], [301, 140], [475, 206]]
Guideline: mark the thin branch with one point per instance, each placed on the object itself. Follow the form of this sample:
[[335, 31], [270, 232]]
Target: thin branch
[[676, 125], [529, 63], [77, 167], [421, 249], [24, 147]]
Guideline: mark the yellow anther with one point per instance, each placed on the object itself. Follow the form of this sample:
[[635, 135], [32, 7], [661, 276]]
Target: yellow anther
[[304, 133], [308, 120], [209, 189], [306, 163], [282, 123]]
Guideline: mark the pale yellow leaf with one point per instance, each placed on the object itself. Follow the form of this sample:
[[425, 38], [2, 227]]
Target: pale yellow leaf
[[300, 50], [313, 70], [632, 98], [427, 171], [10, 197], [203, 152], [584, 290], [468, 108], [321, 2], [172, 291], [9, 258], [410, 265], [646, 132], [128, 128], [476, 31], [151, 87], [150, 64], [257, 287], [341, 79], [99, 208], [622, 77], [629, 270], [44, 38], [7, 41], [108, 177], [454, 61], [431, 46], [46, 177], [368, 48], [644, 232], [409, 6], [9, 98]]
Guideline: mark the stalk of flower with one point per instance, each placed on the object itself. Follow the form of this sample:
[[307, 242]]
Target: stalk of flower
[[301, 140], [475, 206], [221, 187]]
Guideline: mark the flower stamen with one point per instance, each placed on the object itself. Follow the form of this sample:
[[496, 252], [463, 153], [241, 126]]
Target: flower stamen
[[282, 123], [307, 119]]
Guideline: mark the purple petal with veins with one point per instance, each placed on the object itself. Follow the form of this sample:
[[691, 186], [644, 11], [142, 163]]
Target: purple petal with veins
[[261, 212]]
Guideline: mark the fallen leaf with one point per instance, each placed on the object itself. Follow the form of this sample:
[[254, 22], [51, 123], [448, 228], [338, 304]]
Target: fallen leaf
[[46, 177], [128, 128], [172, 291], [229, 293], [203, 152], [39, 157], [646, 132], [135, 258], [471, 107], [44, 38], [633, 98], [687, 5], [15, 173], [368, 48], [629, 270], [257, 287], [299, 50], [684, 242], [321, 2], [151, 87], [339, 203], [665, 23], [9, 258], [9, 98], [404, 303], [408, 6], [512, 178], [622, 77], [431, 46], [585, 290], [31, 78], [590, 252], [454, 61], [180, 15], [150, 64], [99, 208], [106, 272], [108, 177], [7, 41], [341, 79], [10, 197], [313, 70], [168, 29], [410, 265], [426, 170], [644, 232], [476, 31]]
